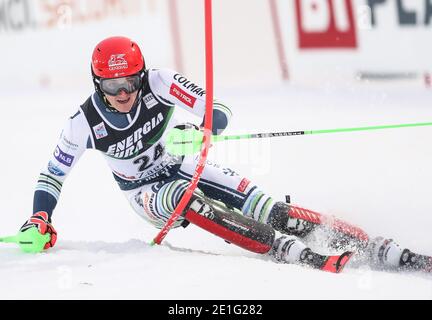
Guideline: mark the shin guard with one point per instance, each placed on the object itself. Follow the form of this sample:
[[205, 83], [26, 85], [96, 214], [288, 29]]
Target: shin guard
[[301, 222], [229, 225]]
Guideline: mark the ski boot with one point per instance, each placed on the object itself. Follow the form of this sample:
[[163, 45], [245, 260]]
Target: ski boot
[[289, 249], [387, 254]]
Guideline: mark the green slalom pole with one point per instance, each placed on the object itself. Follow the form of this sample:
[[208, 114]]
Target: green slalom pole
[[30, 241], [187, 142]]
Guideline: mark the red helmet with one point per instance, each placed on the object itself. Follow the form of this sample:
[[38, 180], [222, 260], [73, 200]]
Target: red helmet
[[117, 57]]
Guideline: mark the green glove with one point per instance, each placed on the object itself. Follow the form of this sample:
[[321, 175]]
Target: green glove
[[184, 142]]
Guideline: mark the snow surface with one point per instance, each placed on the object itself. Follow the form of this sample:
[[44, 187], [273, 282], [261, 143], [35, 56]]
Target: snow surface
[[378, 180]]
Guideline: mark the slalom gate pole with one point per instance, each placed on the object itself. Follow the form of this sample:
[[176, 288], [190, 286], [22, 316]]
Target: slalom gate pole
[[208, 121]]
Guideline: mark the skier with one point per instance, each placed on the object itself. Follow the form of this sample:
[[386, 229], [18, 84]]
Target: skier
[[127, 118]]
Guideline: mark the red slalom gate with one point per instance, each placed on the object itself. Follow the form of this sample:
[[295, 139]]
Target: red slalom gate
[[208, 121]]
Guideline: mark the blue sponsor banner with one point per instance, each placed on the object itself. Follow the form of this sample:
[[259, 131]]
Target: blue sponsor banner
[[63, 157]]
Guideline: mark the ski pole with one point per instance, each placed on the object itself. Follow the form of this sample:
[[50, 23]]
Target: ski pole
[[9, 239], [186, 142]]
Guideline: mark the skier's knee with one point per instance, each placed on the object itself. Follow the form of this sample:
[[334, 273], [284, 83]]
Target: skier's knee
[[257, 205], [157, 202], [169, 196]]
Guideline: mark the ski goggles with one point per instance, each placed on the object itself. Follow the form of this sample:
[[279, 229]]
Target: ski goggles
[[112, 87]]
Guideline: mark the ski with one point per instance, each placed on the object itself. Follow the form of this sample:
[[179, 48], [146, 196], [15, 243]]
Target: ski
[[334, 264], [411, 261]]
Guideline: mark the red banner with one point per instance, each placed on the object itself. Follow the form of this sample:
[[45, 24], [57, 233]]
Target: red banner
[[325, 24]]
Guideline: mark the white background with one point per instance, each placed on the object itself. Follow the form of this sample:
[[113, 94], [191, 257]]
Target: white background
[[379, 180]]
